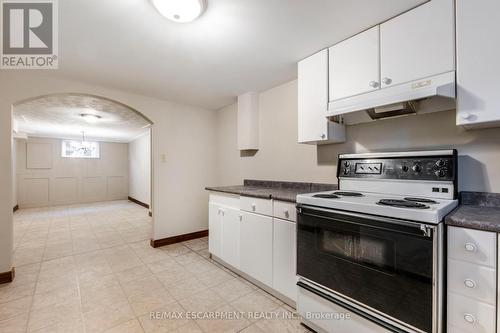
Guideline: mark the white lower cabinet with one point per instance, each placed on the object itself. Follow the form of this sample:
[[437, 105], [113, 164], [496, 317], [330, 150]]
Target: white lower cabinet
[[284, 258], [257, 237], [256, 246], [469, 315], [231, 236], [472, 281], [215, 229]]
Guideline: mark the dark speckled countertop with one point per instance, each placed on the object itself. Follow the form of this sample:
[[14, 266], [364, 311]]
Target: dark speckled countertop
[[477, 210], [282, 191]]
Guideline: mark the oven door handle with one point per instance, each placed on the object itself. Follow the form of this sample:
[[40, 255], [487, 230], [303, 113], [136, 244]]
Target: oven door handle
[[418, 228]]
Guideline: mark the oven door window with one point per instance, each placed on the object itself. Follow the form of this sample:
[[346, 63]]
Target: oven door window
[[384, 266], [366, 250]]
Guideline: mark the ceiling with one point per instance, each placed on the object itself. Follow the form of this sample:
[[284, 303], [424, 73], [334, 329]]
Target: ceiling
[[234, 47], [59, 116]]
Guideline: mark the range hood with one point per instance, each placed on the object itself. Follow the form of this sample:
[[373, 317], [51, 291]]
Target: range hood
[[432, 94]]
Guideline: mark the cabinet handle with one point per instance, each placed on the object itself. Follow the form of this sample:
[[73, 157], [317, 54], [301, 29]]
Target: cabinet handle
[[373, 84], [254, 207], [323, 136], [466, 115], [470, 247], [469, 283], [387, 80], [218, 211], [286, 213], [241, 217], [223, 212], [469, 318]]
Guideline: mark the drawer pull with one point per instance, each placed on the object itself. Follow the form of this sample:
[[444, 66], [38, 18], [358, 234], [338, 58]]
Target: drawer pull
[[470, 247], [469, 318], [241, 217], [254, 207], [470, 283], [286, 213]]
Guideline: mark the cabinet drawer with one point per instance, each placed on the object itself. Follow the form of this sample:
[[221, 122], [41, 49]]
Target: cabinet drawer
[[285, 211], [477, 247], [478, 282], [256, 205], [470, 315], [225, 199]]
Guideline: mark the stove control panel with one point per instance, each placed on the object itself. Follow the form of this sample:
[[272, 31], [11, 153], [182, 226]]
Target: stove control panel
[[434, 168]]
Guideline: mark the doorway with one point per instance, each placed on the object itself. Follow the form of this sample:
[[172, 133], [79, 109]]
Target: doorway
[[82, 176]]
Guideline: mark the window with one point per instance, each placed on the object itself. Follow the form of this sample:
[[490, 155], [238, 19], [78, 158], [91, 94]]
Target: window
[[80, 149]]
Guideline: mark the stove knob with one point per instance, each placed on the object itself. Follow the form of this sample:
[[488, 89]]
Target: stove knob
[[440, 173], [346, 171], [416, 168], [347, 164], [440, 163], [404, 168]]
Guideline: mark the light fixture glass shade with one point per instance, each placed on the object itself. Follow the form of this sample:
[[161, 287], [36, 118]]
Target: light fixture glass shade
[[90, 118], [180, 10]]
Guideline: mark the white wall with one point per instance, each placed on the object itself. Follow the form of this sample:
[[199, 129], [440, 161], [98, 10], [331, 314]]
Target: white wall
[[140, 169], [71, 180], [280, 157], [184, 134]]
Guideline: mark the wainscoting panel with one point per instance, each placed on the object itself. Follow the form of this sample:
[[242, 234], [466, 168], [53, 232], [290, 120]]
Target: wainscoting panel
[[45, 178], [38, 155], [35, 191], [117, 188], [93, 188], [65, 190]]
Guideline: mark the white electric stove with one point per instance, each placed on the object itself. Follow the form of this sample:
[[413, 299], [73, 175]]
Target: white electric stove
[[407, 207], [374, 248]]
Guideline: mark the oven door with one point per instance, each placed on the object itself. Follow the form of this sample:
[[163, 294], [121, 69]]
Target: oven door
[[386, 266]]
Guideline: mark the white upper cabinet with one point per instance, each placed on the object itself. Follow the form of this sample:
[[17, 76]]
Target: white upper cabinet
[[313, 126], [418, 44], [478, 70], [354, 65]]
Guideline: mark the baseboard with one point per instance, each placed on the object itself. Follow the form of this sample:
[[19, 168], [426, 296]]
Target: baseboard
[[140, 203], [7, 276], [178, 239], [16, 208]]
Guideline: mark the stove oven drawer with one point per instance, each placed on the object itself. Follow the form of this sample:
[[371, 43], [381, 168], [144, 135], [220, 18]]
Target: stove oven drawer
[[474, 246], [469, 315], [325, 316], [474, 281]]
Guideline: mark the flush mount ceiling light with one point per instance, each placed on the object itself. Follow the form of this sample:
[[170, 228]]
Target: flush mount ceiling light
[[90, 118], [180, 10]]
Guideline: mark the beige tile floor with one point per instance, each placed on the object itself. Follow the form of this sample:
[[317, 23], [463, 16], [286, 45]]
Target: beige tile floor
[[89, 268]]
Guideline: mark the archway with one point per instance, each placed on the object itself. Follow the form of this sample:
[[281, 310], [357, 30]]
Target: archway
[[117, 122]]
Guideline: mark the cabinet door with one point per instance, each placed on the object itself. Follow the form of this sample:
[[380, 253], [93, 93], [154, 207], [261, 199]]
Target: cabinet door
[[418, 43], [284, 258], [231, 236], [256, 252], [354, 65], [215, 229], [478, 52], [313, 98]]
